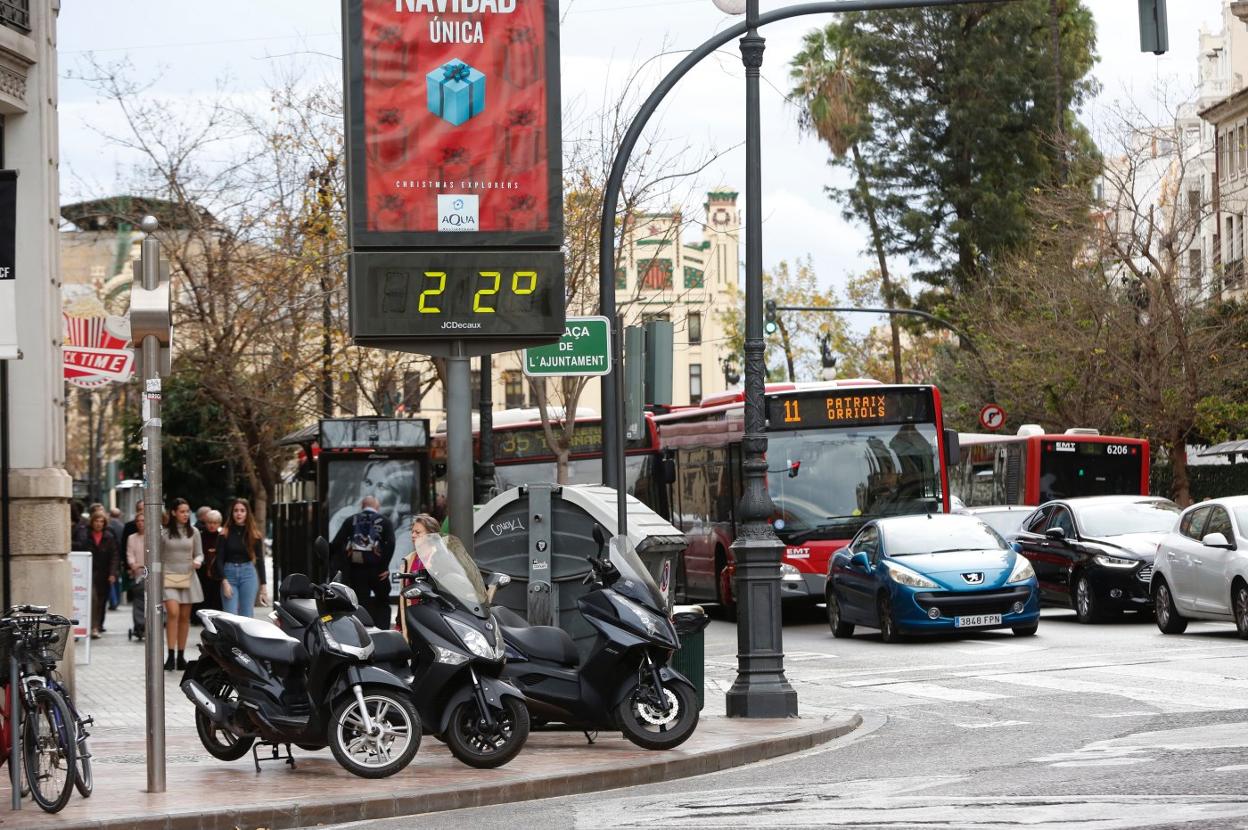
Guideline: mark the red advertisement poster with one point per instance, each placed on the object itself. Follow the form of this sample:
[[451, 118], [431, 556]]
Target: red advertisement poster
[[451, 102]]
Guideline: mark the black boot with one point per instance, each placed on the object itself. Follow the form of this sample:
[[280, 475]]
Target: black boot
[[181, 662], [169, 661]]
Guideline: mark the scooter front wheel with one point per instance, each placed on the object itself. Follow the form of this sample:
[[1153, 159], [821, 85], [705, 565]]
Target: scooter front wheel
[[483, 746], [651, 726], [385, 748]]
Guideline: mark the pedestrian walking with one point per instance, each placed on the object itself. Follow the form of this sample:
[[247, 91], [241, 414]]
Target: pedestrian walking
[[182, 556], [363, 547], [99, 540], [136, 563], [241, 553], [210, 574], [117, 526]]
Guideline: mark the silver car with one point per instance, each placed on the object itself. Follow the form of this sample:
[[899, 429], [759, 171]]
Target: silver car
[[1201, 569]]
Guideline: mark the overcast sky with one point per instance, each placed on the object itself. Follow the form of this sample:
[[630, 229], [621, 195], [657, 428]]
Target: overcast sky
[[185, 49]]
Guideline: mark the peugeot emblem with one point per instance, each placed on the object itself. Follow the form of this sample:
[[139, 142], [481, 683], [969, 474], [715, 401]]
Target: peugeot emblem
[[973, 578]]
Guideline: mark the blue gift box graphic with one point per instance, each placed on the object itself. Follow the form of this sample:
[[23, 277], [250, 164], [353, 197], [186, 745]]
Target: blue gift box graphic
[[456, 91]]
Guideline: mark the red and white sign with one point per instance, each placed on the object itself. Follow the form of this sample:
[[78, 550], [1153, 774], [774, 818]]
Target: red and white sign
[[95, 350], [992, 417]]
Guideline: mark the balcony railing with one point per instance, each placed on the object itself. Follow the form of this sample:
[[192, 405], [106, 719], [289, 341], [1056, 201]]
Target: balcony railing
[[16, 15]]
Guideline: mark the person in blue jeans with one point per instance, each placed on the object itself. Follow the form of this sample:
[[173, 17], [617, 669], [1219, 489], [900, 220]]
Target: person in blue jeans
[[241, 554]]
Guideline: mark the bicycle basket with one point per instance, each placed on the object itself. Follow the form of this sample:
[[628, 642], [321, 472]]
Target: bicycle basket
[[45, 640], [7, 636]]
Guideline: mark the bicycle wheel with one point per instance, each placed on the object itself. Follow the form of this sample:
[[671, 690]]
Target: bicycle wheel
[[82, 779], [48, 737]]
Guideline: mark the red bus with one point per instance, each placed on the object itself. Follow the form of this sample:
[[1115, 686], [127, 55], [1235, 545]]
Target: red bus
[[838, 455], [522, 456], [1033, 467]]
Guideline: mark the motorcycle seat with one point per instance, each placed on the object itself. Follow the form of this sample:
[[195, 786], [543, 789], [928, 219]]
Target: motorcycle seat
[[543, 642], [508, 618], [258, 638], [389, 647], [303, 610]]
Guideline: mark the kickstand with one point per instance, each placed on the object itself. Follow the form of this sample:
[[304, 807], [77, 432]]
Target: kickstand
[[275, 750], [590, 736]]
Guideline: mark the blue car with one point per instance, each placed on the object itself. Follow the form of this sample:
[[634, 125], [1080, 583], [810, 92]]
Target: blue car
[[930, 574]]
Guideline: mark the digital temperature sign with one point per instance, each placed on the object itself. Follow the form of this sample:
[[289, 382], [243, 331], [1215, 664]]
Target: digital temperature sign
[[514, 296], [863, 406]]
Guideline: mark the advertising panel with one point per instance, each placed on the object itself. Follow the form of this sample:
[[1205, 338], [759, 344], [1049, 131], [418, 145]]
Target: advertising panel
[[453, 122], [395, 482], [8, 265], [80, 578]]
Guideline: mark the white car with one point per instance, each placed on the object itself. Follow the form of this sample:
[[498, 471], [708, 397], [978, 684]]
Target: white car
[[1201, 569], [1003, 518]]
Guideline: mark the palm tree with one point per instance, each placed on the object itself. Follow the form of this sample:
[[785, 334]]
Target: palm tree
[[823, 74]]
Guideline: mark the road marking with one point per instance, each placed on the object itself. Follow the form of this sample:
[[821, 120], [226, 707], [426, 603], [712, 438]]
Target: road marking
[[1104, 762], [1233, 768], [1163, 702], [936, 692], [1125, 715], [996, 724], [1155, 672]]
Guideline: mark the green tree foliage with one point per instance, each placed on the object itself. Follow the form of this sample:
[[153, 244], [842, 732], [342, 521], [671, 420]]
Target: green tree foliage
[[954, 119]]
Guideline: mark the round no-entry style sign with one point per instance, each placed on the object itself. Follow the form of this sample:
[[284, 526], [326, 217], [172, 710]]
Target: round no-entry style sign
[[992, 417]]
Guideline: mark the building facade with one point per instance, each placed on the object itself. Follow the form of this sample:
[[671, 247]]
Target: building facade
[[39, 487]]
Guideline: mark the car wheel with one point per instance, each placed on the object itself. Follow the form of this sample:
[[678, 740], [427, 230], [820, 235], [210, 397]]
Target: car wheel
[[889, 632], [840, 628], [1087, 606], [1026, 630], [1168, 619], [1239, 601]]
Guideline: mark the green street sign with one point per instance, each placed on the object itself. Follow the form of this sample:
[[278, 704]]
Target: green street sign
[[584, 349]]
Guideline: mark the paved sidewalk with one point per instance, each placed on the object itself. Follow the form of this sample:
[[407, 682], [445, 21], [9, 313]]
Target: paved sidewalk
[[205, 793]]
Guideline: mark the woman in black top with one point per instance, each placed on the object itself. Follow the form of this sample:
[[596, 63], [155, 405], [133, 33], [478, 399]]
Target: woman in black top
[[241, 553]]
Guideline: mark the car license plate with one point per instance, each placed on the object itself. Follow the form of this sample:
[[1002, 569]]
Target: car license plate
[[976, 620]]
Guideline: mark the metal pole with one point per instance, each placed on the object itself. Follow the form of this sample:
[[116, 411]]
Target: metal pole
[[6, 541], [459, 445], [153, 498], [485, 441], [616, 380], [15, 722], [761, 689]]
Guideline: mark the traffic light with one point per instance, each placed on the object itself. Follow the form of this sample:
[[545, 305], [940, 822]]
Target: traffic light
[[826, 357], [1154, 32], [769, 317]]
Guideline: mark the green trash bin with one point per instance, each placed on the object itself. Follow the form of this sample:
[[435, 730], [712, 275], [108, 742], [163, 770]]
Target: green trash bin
[[690, 659]]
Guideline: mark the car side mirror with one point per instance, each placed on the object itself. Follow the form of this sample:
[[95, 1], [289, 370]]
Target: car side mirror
[[669, 470], [1055, 534], [861, 560], [1216, 540], [953, 447]]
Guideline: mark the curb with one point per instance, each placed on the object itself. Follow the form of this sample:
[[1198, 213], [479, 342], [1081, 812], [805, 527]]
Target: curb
[[395, 804]]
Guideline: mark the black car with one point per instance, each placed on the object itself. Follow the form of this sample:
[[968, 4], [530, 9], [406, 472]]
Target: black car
[[1095, 554]]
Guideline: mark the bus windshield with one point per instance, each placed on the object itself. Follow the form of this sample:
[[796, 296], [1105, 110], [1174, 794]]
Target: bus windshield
[[827, 483], [1069, 469]]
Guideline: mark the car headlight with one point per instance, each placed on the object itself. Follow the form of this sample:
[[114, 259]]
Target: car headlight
[[475, 641], [1115, 561], [904, 576], [788, 573], [1022, 571], [641, 616]]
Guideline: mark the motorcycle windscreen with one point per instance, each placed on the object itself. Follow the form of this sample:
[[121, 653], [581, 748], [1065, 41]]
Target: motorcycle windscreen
[[452, 571], [635, 581]]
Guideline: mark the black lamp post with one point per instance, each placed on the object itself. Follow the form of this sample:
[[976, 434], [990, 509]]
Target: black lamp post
[[760, 689]]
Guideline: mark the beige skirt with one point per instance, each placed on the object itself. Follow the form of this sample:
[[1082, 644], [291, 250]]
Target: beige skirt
[[186, 596]]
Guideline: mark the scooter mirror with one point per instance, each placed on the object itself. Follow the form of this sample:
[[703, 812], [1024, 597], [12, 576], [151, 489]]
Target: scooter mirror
[[321, 548], [599, 538], [498, 580]]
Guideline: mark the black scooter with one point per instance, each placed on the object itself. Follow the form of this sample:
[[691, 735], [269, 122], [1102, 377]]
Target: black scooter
[[625, 681], [255, 684], [451, 658]]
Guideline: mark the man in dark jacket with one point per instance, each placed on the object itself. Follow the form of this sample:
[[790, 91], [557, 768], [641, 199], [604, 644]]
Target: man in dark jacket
[[362, 549]]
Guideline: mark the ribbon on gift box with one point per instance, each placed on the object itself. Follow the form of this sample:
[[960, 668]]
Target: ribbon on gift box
[[389, 56], [520, 62], [387, 140], [451, 73], [391, 213], [455, 165], [522, 213]]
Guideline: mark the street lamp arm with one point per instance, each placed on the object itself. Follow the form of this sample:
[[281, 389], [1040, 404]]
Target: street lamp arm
[[612, 463]]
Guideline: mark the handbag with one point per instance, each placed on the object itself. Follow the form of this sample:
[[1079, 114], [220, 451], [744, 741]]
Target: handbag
[[178, 581]]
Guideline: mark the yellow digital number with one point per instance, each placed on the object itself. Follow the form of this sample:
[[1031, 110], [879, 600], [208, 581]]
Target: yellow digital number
[[791, 413], [516, 277], [485, 292], [440, 276]]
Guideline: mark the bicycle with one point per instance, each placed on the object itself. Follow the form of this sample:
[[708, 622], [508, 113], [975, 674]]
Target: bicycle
[[50, 728]]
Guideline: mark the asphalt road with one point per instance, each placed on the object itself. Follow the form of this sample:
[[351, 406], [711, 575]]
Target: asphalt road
[[1094, 727]]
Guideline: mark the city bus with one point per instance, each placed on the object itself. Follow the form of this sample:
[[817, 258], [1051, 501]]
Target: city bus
[[522, 456], [1033, 466], [838, 455]]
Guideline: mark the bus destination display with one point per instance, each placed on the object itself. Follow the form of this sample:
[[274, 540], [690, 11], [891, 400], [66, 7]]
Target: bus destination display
[[516, 296], [849, 407]]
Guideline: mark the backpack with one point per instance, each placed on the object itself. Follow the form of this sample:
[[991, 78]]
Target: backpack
[[364, 547]]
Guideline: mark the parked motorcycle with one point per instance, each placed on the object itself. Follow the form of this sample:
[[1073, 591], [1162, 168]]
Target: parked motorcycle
[[255, 684], [451, 657], [625, 681]]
